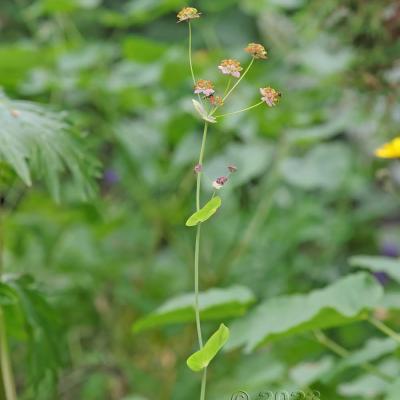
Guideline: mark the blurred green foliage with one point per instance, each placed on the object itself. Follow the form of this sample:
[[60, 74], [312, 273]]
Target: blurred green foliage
[[308, 193]]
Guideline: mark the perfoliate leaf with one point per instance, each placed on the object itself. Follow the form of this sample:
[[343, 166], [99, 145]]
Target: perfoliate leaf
[[378, 264], [34, 140], [345, 301], [205, 212], [214, 304], [202, 112], [199, 360]]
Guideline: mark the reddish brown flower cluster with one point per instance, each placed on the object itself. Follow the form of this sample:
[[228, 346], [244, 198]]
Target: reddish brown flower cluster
[[256, 50], [205, 87], [219, 182], [230, 67], [188, 13], [270, 96]]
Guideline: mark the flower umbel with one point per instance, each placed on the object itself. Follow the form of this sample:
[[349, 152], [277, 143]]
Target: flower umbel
[[390, 149], [187, 14], [216, 100], [205, 87], [219, 182], [230, 67], [270, 96], [256, 50]]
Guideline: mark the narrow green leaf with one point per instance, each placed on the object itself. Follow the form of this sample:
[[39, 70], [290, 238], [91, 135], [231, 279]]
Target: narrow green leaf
[[202, 112], [345, 301], [378, 264], [205, 213], [214, 304], [199, 360]]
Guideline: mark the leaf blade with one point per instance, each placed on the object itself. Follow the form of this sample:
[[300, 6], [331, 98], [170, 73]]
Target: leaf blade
[[206, 212]]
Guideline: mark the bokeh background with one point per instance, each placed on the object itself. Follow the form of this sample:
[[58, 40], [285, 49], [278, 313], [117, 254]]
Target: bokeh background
[[308, 193]]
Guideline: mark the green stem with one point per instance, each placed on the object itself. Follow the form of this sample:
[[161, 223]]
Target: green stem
[[384, 328], [7, 378], [190, 60], [228, 85], [203, 384], [240, 111], [342, 352], [197, 252], [190, 53]]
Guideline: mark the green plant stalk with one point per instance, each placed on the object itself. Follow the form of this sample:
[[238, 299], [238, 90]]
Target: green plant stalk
[[342, 352], [196, 260], [384, 328], [240, 111], [7, 378]]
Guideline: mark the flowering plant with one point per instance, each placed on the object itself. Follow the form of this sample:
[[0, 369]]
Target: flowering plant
[[207, 105]]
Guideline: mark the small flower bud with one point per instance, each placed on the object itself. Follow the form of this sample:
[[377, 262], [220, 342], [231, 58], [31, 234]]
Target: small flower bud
[[198, 168], [270, 96], [216, 100], [232, 168], [205, 87], [230, 67], [256, 50], [188, 13], [219, 182]]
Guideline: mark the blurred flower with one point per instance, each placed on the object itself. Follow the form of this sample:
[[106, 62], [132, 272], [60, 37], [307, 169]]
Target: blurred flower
[[390, 249], [110, 177], [204, 86], [219, 182], [270, 96], [188, 13], [256, 50], [390, 149], [382, 277], [232, 168], [230, 67], [216, 100], [198, 168], [15, 113]]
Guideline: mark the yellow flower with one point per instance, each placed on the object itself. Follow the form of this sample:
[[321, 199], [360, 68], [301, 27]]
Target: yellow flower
[[188, 13], [390, 149]]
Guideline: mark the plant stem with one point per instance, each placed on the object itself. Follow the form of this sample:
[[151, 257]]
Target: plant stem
[[7, 378], [342, 352], [384, 328], [203, 384], [196, 261], [190, 53], [240, 111]]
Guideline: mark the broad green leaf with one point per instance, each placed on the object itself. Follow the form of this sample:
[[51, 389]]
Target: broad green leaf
[[199, 360], [390, 301], [7, 294], [205, 212], [37, 141], [347, 300], [202, 112], [393, 391], [324, 167], [378, 264], [307, 373], [374, 349], [213, 303]]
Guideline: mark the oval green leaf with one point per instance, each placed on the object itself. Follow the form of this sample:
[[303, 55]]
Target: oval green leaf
[[205, 213], [199, 360], [202, 112]]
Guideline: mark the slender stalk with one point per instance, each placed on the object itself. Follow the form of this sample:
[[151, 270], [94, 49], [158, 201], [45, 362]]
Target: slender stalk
[[240, 111], [384, 328], [228, 85], [190, 53], [7, 378], [344, 353], [203, 384], [196, 261]]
